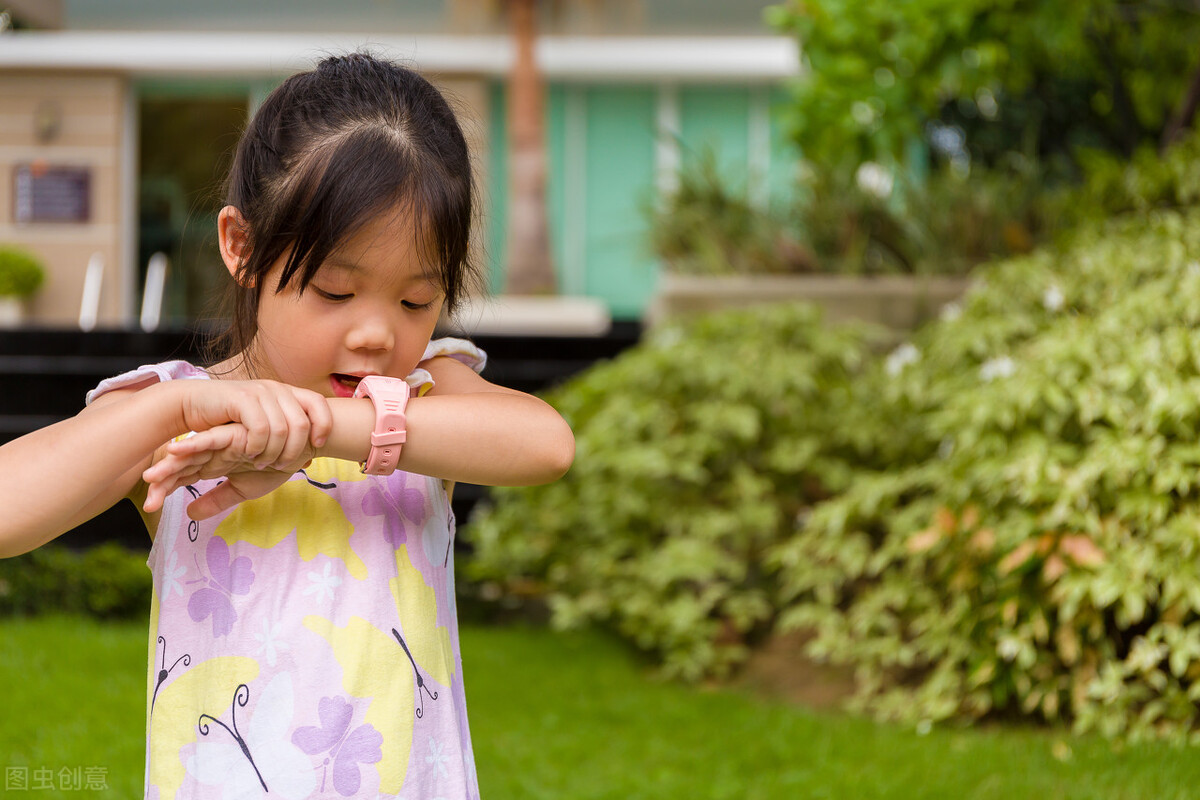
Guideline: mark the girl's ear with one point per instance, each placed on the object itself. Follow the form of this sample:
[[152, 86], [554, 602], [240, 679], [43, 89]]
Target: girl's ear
[[233, 239]]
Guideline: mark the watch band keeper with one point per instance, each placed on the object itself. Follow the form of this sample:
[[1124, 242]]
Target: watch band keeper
[[388, 438]]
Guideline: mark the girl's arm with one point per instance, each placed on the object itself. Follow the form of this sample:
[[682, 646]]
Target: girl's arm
[[465, 429], [65, 474]]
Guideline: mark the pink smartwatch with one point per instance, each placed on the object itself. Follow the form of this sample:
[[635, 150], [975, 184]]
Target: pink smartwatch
[[390, 396]]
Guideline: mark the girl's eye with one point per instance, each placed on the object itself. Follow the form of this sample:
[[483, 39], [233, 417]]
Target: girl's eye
[[336, 298], [411, 306]]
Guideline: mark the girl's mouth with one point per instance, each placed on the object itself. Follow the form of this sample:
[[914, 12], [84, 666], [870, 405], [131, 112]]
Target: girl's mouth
[[343, 385]]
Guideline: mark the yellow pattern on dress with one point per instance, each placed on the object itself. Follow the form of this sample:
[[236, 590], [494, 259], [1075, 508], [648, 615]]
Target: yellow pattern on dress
[[374, 666], [205, 688], [320, 524], [416, 603]]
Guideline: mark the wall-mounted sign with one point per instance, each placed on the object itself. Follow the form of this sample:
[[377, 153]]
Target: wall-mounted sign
[[43, 193]]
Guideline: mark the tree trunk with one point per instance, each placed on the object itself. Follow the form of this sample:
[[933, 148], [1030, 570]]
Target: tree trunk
[[529, 267], [1182, 119]]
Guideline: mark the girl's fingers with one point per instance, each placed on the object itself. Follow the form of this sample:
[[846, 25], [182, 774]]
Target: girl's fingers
[[231, 436], [214, 501], [297, 434], [172, 463], [320, 417], [158, 491], [276, 434]]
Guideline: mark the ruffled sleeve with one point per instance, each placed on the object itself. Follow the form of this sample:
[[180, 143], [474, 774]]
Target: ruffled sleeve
[[458, 349], [145, 375]]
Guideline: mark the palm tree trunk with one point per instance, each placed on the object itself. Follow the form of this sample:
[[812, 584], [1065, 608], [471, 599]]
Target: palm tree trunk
[[529, 267], [1181, 120]]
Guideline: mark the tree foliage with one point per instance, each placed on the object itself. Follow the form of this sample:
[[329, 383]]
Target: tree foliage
[[1038, 77]]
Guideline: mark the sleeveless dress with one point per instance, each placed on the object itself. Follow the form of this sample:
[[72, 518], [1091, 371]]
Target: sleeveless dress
[[305, 644]]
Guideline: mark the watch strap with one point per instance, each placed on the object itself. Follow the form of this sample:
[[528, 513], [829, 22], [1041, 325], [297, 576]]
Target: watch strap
[[390, 398]]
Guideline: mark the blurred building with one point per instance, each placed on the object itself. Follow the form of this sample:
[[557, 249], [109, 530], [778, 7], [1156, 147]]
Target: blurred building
[[118, 119]]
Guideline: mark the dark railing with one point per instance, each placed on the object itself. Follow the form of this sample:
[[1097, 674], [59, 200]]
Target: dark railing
[[47, 372]]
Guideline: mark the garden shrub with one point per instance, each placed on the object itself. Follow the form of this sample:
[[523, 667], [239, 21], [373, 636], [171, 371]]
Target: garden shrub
[[695, 453], [104, 581], [1035, 548], [1000, 517]]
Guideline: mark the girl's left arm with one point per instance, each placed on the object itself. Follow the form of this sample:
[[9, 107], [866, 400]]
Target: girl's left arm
[[465, 429]]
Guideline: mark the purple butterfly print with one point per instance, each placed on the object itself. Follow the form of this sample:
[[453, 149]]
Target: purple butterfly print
[[360, 746], [225, 579], [397, 497]]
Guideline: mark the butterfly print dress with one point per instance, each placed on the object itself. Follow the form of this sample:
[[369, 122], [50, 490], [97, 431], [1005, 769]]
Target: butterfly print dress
[[305, 644]]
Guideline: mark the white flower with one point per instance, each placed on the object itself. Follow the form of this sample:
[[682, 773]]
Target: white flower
[[171, 576], [999, 367], [1009, 648], [874, 180], [1053, 298], [950, 312], [901, 357], [986, 102], [323, 584], [267, 642], [862, 113], [437, 757]]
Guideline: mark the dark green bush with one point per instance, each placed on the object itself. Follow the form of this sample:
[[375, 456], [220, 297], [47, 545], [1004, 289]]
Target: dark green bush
[[104, 581], [696, 452]]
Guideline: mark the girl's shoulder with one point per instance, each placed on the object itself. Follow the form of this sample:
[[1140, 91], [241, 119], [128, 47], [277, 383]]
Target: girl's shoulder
[[459, 349], [146, 375], [447, 347]]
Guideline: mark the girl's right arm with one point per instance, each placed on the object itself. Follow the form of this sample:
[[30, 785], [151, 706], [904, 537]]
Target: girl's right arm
[[67, 473]]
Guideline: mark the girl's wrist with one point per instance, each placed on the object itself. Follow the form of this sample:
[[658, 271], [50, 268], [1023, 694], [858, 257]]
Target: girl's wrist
[[169, 399], [353, 422]]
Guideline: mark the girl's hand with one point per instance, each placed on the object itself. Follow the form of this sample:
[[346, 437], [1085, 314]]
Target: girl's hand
[[279, 421], [215, 453], [276, 431]]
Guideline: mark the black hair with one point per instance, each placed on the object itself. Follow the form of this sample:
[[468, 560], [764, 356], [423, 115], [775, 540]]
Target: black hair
[[327, 152]]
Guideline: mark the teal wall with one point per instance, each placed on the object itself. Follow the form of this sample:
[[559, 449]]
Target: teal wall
[[601, 149]]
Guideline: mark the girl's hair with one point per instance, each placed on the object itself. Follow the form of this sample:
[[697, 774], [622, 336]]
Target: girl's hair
[[327, 152]]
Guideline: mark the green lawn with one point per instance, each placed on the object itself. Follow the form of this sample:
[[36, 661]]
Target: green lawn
[[575, 716]]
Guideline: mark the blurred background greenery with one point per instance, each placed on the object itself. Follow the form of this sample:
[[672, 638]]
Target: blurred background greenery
[[995, 520]]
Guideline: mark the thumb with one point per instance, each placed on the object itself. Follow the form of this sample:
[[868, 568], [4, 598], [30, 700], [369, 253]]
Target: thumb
[[224, 496]]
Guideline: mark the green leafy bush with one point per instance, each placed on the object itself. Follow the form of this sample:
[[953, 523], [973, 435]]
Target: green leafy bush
[[707, 226], [946, 223], [21, 273], [999, 518], [104, 581], [696, 451], [1034, 547]]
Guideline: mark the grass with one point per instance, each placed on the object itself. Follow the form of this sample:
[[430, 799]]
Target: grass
[[575, 717]]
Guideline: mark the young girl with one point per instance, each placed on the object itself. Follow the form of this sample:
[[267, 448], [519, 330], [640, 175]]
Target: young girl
[[303, 640]]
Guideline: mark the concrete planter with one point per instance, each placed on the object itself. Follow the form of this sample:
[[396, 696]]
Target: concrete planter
[[12, 311], [899, 302], [514, 315]]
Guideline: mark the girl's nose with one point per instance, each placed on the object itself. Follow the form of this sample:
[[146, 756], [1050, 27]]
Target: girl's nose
[[371, 332]]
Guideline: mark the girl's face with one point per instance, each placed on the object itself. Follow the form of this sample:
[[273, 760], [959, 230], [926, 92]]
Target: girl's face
[[370, 310]]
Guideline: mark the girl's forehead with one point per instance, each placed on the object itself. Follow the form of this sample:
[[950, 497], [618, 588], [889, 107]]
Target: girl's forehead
[[388, 259]]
